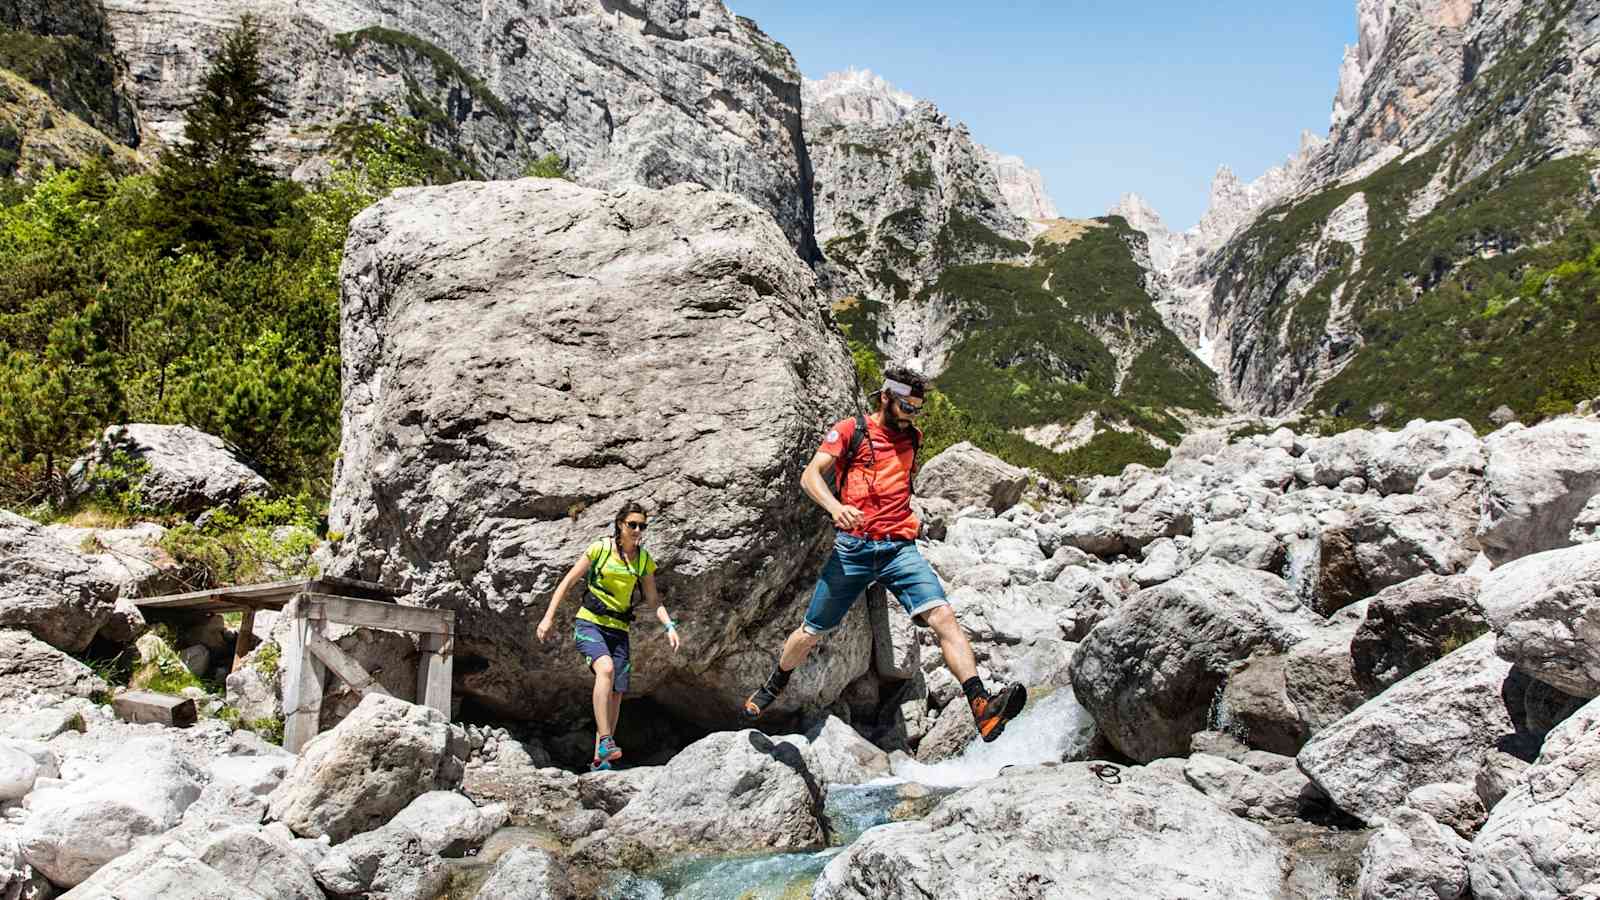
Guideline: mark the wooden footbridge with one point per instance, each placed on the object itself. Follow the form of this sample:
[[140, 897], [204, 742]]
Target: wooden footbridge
[[308, 655]]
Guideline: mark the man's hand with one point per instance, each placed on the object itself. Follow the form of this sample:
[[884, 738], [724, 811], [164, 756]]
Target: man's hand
[[847, 518], [545, 625]]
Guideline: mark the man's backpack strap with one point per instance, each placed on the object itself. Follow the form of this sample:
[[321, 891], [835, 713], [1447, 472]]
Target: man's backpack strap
[[842, 465]]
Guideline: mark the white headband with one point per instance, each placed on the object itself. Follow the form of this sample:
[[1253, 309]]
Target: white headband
[[896, 388]]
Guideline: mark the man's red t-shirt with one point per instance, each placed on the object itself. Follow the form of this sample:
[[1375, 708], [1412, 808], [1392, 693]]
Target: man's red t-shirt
[[878, 480]]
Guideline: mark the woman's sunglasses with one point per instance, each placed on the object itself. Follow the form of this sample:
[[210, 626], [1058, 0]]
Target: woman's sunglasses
[[906, 407], [637, 526]]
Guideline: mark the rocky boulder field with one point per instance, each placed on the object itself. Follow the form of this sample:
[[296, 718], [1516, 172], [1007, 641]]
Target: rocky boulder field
[[1375, 646]]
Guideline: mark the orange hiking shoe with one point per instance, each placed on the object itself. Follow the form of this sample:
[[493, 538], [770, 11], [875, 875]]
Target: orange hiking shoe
[[992, 713]]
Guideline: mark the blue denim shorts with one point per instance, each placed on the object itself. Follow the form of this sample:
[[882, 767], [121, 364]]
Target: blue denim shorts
[[595, 641], [857, 562]]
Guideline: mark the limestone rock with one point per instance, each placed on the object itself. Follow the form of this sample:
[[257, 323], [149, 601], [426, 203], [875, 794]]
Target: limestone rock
[[433, 490], [188, 471], [967, 476], [836, 754], [48, 590], [1431, 727], [1499, 772], [1540, 842], [401, 859], [1413, 856], [1546, 610], [1150, 836], [1243, 546], [1453, 805], [141, 790], [527, 872], [257, 859], [1149, 672], [1246, 792], [1410, 625], [354, 778], [729, 792], [951, 733], [33, 672], [1536, 483], [1422, 448], [166, 868]]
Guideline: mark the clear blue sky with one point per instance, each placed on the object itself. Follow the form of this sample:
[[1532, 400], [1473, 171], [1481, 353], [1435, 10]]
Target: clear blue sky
[[1102, 97]]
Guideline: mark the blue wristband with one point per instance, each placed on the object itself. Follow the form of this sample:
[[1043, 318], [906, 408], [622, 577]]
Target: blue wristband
[[671, 625]]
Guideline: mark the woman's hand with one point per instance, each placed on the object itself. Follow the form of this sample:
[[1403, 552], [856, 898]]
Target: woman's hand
[[672, 638], [545, 625]]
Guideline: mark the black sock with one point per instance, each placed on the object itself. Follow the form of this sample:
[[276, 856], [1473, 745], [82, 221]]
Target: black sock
[[778, 680], [973, 688]]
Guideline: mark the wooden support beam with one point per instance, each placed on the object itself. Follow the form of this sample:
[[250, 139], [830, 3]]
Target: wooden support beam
[[305, 676], [393, 616], [245, 641], [345, 666], [435, 668], [147, 706]]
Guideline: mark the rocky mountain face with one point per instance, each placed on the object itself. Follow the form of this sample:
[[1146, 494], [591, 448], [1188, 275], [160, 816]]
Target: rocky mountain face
[[63, 100], [652, 94], [943, 253], [1461, 150], [902, 192]]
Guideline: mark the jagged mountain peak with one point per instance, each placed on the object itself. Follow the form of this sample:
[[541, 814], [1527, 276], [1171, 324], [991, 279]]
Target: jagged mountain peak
[[855, 96]]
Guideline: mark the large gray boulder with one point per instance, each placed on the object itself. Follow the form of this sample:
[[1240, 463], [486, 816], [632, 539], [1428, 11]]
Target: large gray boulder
[[489, 324], [1546, 610], [186, 470], [140, 790], [1149, 672], [48, 590], [1536, 482], [1062, 832], [1413, 857], [1423, 449], [1277, 701], [402, 859], [1432, 727], [729, 792], [33, 673], [1410, 625], [967, 476], [354, 778], [1540, 841]]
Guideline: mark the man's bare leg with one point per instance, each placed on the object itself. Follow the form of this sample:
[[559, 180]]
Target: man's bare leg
[[796, 647], [953, 642]]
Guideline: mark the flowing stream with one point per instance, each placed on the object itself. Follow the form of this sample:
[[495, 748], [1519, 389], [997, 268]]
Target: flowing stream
[[1051, 728]]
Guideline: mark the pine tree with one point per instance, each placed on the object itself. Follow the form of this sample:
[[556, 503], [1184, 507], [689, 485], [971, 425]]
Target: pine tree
[[213, 189]]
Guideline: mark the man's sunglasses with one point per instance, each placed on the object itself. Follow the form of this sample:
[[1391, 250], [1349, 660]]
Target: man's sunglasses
[[637, 526], [906, 407]]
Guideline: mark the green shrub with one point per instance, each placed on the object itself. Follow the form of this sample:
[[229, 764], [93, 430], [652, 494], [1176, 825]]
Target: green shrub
[[550, 165]]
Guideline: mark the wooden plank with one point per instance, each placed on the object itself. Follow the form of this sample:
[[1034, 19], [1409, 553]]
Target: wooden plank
[[435, 669], [351, 587], [139, 707], [305, 677], [272, 595], [344, 666], [393, 616], [246, 640]]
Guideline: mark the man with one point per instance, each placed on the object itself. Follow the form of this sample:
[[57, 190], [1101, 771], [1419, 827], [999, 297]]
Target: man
[[876, 542]]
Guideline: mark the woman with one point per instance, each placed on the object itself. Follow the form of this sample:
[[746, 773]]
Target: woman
[[614, 570]]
